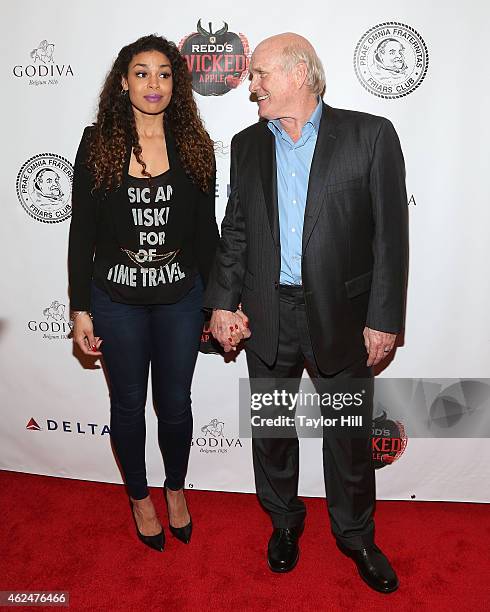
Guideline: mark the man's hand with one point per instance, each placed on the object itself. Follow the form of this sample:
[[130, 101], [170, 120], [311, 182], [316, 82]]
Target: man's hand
[[378, 345], [229, 328]]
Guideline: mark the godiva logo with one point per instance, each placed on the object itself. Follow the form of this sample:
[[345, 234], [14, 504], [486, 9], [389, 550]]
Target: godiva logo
[[54, 324], [213, 439], [42, 68]]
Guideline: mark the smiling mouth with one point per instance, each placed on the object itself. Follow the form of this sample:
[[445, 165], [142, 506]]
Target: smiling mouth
[[261, 98]]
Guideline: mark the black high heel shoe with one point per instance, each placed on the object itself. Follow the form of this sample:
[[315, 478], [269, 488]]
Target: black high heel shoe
[[156, 542], [181, 533]]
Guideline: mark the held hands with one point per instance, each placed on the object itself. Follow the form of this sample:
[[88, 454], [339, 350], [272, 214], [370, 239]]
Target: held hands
[[378, 345], [229, 328], [83, 335]]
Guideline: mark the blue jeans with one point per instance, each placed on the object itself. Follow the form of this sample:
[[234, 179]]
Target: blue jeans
[[167, 336]]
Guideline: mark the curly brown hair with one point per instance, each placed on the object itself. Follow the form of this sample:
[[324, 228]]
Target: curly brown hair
[[115, 127]]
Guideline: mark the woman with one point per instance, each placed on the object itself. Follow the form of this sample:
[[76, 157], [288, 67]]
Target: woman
[[142, 240]]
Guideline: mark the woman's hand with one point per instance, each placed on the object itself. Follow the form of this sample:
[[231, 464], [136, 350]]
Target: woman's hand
[[83, 335], [229, 328]]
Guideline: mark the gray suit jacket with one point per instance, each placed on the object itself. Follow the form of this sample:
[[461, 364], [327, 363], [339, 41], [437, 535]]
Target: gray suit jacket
[[355, 238]]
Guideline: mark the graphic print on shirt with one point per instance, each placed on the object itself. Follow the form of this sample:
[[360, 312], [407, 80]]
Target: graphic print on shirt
[[149, 216]]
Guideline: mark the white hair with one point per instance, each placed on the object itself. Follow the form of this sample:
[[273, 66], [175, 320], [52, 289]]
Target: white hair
[[295, 54]]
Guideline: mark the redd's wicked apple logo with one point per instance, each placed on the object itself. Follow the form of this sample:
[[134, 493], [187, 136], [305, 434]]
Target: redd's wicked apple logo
[[209, 345], [388, 439], [218, 61]]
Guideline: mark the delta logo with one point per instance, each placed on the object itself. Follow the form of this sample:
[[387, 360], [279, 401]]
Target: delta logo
[[33, 426], [73, 427], [218, 61]]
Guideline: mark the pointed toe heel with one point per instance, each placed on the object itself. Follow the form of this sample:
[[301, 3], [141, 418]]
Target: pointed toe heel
[[157, 542], [182, 533]]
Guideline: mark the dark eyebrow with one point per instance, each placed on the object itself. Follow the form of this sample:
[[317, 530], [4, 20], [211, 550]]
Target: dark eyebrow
[[146, 65]]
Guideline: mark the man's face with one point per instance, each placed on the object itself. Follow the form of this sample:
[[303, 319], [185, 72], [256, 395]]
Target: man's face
[[392, 55], [49, 183], [271, 85]]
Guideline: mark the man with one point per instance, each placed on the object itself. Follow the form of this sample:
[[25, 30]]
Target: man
[[314, 247], [389, 59], [47, 188]]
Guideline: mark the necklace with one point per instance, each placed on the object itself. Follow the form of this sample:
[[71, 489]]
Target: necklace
[[162, 258]]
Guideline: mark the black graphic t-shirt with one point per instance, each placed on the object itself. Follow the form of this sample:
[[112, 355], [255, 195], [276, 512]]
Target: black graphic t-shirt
[[150, 227], [144, 242]]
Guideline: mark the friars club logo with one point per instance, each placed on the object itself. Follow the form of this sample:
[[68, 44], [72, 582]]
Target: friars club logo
[[213, 439], [53, 325], [391, 60], [388, 441], [218, 61], [42, 68], [44, 187]]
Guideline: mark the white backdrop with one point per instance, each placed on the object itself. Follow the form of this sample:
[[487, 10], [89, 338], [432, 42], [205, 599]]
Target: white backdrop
[[444, 130]]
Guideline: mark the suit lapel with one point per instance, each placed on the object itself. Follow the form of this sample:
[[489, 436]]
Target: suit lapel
[[268, 175], [319, 171]]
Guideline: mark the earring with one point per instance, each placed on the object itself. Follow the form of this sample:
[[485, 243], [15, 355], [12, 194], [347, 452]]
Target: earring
[[124, 92]]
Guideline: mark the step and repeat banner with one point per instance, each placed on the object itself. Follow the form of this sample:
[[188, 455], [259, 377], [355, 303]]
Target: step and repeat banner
[[421, 65]]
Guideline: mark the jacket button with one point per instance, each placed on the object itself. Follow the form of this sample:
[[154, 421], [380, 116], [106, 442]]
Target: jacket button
[[276, 285]]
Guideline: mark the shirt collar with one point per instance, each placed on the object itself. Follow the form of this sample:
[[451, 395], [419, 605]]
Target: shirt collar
[[316, 116], [275, 124]]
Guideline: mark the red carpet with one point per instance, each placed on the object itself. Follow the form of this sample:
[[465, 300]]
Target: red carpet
[[59, 534]]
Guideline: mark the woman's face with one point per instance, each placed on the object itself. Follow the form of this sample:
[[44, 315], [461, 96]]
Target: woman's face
[[149, 82]]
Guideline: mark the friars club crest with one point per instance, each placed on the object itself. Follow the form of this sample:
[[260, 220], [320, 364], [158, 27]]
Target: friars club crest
[[44, 187], [218, 61], [391, 60]]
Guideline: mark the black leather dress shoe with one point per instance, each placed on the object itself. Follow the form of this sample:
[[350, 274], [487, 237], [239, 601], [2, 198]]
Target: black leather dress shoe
[[374, 568], [283, 549]]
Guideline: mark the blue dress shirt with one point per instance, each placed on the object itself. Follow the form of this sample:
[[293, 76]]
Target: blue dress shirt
[[293, 161]]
